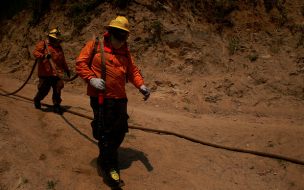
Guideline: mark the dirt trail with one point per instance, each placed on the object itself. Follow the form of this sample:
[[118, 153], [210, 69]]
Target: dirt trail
[[38, 146]]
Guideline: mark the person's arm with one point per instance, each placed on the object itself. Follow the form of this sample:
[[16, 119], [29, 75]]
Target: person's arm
[[83, 61], [39, 51], [135, 77]]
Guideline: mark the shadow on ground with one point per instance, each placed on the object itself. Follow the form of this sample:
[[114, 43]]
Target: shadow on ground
[[125, 158], [125, 155], [50, 108]]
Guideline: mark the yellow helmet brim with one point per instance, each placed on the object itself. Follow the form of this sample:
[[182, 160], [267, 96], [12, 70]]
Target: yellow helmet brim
[[111, 26], [54, 36]]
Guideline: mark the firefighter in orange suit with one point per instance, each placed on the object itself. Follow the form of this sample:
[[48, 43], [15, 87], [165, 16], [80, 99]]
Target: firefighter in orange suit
[[47, 77], [119, 66]]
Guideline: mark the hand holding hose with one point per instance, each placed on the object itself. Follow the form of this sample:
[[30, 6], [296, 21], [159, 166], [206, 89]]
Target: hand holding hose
[[48, 56], [100, 84]]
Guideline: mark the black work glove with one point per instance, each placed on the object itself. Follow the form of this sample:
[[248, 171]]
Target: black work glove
[[68, 74], [48, 56]]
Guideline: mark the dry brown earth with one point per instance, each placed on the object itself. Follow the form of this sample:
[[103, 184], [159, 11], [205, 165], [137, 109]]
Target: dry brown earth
[[199, 89], [38, 146]]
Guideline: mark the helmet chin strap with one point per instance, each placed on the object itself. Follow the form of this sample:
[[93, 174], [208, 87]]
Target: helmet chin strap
[[116, 43]]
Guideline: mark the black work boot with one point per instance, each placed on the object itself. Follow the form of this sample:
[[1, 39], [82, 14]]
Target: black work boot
[[114, 179], [57, 109], [37, 104]]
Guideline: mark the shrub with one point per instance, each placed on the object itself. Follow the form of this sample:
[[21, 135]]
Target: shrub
[[51, 184], [233, 45], [186, 108], [157, 26], [253, 57], [79, 14], [39, 8]]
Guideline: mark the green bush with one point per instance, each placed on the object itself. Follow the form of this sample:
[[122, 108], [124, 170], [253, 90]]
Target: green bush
[[51, 184], [253, 57], [39, 8], [80, 13], [233, 45], [186, 108], [158, 32], [82, 21], [157, 25], [74, 10]]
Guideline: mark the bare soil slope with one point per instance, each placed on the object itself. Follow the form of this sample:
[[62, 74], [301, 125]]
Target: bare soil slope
[[248, 58], [233, 79], [40, 148]]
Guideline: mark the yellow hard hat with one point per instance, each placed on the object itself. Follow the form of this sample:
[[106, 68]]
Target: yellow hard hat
[[121, 23], [55, 33]]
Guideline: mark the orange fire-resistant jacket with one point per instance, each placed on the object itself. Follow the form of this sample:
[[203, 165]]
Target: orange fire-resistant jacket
[[44, 66], [119, 65]]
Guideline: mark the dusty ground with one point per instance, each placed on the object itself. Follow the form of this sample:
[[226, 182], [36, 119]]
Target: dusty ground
[[239, 86], [42, 150]]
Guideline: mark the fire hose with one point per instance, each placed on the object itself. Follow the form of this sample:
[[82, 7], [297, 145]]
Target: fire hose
[[28, 78], [101, 116], [264, 154], [32, 71], [54, 68], [296, 161]]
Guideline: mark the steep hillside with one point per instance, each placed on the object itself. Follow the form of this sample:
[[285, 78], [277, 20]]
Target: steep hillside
[[209, 56], [227, 72]]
